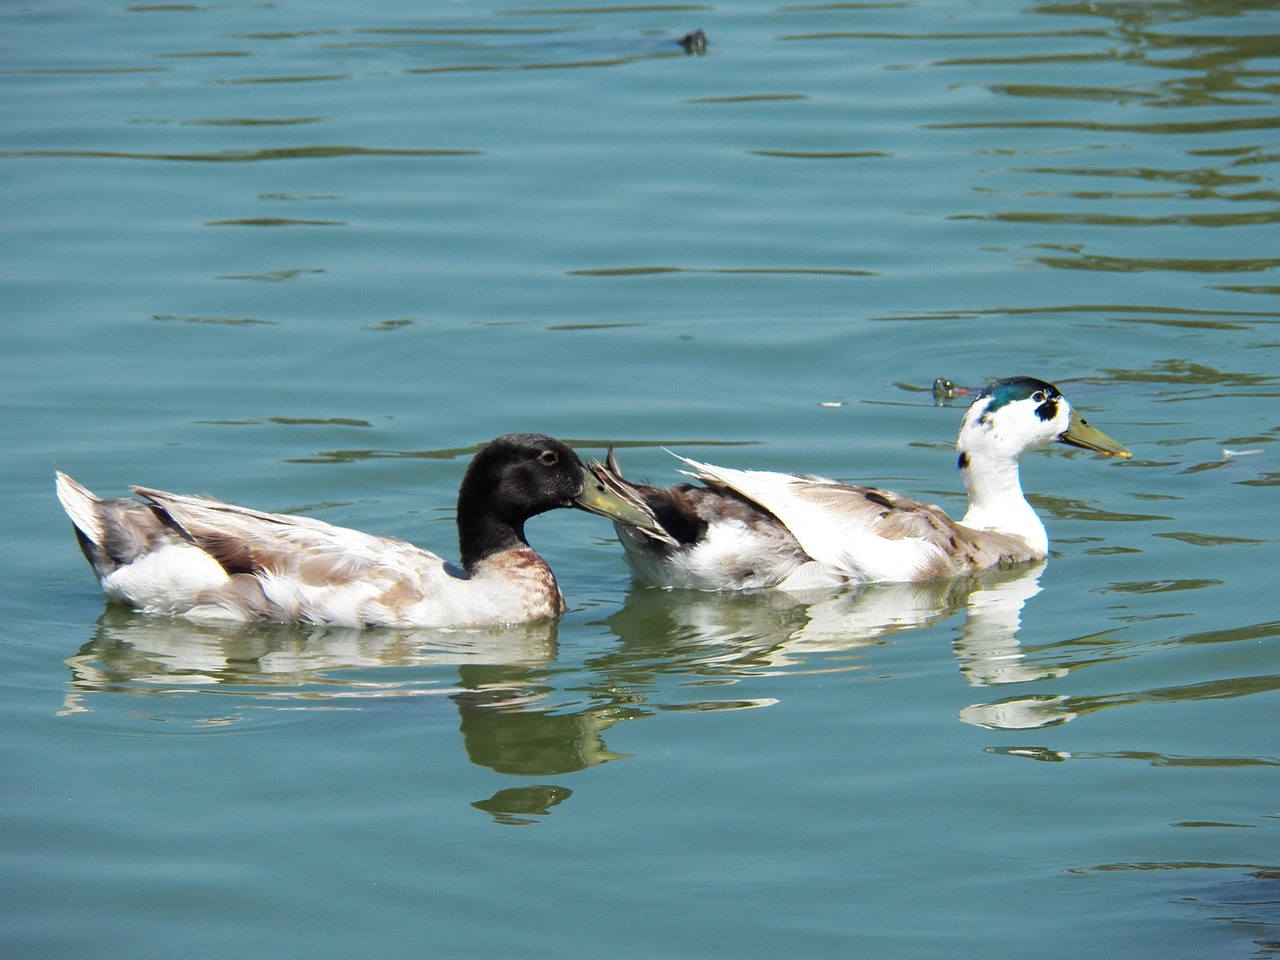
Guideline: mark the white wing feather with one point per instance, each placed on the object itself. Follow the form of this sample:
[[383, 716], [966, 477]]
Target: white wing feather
[[833, 522]]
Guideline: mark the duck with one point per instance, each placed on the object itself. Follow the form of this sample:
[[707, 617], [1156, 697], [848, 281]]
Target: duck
[[208, 561], [751, 529]]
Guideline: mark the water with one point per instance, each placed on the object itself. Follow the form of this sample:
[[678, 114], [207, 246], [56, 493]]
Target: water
[[309, 257]]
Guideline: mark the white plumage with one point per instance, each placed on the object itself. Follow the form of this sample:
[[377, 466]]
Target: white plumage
[[742, 529]]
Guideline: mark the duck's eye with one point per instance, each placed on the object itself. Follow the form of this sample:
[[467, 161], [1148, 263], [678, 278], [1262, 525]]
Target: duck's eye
[[548, 458]]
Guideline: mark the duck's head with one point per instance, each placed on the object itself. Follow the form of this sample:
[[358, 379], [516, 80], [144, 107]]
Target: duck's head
[[1018, 414], [521, 475]]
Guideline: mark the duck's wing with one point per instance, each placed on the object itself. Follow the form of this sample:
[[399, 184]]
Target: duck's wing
[[244, 540], [863, 533], [298, 569], [293, 568]]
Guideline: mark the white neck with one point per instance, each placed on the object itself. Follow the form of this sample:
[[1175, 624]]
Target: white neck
[[996, 501]]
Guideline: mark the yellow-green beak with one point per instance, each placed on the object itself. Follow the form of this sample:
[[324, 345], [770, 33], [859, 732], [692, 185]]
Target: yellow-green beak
[[599, 499], [1080, 434]]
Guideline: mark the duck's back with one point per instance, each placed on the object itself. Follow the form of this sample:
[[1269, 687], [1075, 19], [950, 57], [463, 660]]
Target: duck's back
[[864, 534]]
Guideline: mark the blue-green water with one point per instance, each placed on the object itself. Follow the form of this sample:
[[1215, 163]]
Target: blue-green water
[[308, 256]]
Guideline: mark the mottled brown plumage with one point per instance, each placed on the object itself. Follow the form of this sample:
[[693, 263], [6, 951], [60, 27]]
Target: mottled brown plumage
[[207, 560]]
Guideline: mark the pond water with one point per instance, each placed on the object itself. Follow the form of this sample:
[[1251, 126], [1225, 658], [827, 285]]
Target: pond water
[[309, 257]]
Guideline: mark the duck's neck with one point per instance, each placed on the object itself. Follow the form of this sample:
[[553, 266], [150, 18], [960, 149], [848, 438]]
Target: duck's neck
[[996, 500], [483, 533]]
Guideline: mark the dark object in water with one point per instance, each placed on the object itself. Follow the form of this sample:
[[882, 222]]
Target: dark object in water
[[694, 42], [612, 47], [1250, 904], [944, 389]]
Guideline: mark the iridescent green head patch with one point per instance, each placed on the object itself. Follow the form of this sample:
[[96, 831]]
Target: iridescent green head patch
[[1012, 389]]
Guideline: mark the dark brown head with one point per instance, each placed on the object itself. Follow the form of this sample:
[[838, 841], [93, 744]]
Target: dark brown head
[[519, 476]]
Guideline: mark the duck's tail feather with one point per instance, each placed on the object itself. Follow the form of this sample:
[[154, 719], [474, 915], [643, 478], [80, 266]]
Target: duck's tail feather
[[79, 502], [674, 523], [113, 533]]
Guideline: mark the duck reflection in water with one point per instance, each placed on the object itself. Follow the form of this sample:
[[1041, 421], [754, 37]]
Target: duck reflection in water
[[500, 693], [768, 630], [762, 632], [501, 671], [514, 715], [132, 652]]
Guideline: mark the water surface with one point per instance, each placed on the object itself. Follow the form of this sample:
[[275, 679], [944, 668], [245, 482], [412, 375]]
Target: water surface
[[310, 257]]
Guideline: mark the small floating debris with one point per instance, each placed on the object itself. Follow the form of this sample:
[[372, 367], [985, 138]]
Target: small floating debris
[[383, 325], [1227, 453], [694, 42], [944, 390], [832, 403]]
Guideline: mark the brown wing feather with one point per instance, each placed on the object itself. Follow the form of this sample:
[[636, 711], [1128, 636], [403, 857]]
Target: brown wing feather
[[892, 516], [243, 540]]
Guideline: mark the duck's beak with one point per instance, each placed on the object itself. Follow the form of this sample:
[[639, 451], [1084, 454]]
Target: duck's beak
[[607, 501], [1080, 434]]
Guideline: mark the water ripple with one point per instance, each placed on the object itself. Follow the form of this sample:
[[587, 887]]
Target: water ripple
[[247, 156]]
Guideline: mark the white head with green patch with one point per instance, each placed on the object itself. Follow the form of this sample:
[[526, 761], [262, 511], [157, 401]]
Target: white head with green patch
[[1018, 414], [1008, 418]]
